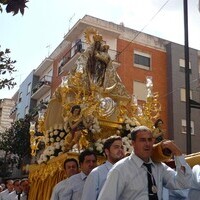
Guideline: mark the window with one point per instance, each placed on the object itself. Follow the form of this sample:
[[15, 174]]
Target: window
[[78, 46], [182, 64], [183, 124], [20, 97], [26, 110], [182, 93], [142, 60], [60, 67], [29, 88], [140, 90]]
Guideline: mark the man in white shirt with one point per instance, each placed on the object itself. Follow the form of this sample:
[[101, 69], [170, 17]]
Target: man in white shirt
[[194, 192], [71, 168], [6, 192], [114, 151], [24, 184], [17, 191], [74, 185], [189, 194], [138, 177]]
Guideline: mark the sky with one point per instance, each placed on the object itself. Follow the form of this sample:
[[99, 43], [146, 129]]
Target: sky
[[33, 36]]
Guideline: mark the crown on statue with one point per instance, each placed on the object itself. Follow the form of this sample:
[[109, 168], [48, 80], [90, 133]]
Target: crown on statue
[[97, 38]]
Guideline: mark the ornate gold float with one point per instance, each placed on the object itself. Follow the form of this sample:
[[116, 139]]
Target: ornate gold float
[[90, 105]]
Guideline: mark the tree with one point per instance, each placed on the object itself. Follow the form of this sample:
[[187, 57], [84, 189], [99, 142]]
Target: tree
[[6, 67], [6, 64], [21, 140], [14, 6], [15, 145]]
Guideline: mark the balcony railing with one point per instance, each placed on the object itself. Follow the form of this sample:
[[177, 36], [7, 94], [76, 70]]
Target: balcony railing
[[13, 110], [72, 55], [41, 106], [41, 87]]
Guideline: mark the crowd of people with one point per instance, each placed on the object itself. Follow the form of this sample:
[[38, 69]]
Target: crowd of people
[[121, 177], [131, 177], [15, 189]]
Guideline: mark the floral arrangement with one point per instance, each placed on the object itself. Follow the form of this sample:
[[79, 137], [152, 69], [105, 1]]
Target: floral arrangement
[[54, 141], [126, 127], [55, 135], [94, 127]]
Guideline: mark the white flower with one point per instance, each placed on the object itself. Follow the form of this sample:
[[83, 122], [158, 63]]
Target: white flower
[[126, 121], [55, 132], [49, 151], [128, 127], [57, 145], [133, 123], [93, 130], [91, 148], [51, 134], [99, 148], [39, 161], [51, 140], [120, 127], [52, 157], [62, 142], [57, 139], [96, 144], [67, 130], [62, 134], [124, 139]]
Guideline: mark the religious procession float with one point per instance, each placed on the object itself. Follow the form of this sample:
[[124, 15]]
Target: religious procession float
[[90, 105]]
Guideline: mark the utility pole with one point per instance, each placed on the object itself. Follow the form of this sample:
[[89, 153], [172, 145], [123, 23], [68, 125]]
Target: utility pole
[[187, 79]]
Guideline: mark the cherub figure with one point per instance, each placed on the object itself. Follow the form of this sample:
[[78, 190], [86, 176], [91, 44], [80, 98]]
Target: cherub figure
[[158, 133], [78, 126]]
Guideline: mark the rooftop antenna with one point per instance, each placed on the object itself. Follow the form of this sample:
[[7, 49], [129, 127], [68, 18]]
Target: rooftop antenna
[[70, 19], [48, 47]]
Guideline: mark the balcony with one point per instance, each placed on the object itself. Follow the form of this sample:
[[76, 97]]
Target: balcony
[[13, 111], [43, 86], [43, 66], [69, 59], [41, 106]]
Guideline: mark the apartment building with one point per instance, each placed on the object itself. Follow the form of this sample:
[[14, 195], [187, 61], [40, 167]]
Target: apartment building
[[5, 108], [176, 95], [135, 56]]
